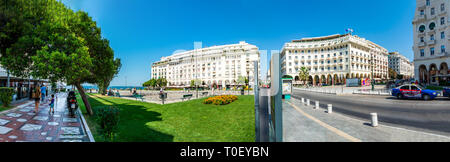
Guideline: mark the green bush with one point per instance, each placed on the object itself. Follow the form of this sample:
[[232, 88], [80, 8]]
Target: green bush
[[6, 95], [108, 119]]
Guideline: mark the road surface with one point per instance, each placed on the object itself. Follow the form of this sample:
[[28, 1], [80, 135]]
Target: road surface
[[428, 116]]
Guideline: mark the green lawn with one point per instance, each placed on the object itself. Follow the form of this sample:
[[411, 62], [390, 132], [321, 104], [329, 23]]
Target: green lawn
[[4, 108], [190, 121]]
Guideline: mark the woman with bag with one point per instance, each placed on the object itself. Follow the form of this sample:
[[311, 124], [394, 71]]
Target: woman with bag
[[37, 97]]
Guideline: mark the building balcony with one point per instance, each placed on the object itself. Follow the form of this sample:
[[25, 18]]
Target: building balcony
[[431, 42], [422, 44]]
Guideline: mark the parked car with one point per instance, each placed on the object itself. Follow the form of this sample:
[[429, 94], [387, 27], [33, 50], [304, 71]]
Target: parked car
[[413, 91], [446, 92]]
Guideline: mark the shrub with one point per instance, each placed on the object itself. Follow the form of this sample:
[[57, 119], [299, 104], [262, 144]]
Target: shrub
[[221, 100], [108, 120], [6, 96]]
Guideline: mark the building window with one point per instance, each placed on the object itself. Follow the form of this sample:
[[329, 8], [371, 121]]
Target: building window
[[442, 20], [422, 52], [428, 3], [421, 29], [421, 39], [442, 49], [432, 51], [442, 35], [432, 26], [422, 12], [432, 11], [432, 37], [442, 7]]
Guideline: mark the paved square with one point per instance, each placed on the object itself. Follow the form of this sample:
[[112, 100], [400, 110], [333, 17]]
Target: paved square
[[3, 122], [4, 130], [20, 124], [71, 130], [31, 127]]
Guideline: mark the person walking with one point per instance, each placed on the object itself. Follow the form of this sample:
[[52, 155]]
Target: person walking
[[37, 97], [43, 93]]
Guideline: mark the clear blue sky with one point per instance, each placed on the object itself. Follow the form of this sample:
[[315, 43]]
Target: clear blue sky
[[142, 31]]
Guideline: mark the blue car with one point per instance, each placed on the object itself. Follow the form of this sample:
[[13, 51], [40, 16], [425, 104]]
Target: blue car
[[447, 92], [413, 91]]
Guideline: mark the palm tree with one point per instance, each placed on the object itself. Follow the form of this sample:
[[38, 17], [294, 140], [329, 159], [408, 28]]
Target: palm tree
[[304, 74]]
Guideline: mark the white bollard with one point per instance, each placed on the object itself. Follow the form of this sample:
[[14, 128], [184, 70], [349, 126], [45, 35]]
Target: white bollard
[[317, 105], [330, 109], [308, 102], [374, 119], [303, 100]]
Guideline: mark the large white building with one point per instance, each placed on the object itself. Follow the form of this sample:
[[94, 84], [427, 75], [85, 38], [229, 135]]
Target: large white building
[[217, 65], [333, 59], [431, 42], [401, 65]]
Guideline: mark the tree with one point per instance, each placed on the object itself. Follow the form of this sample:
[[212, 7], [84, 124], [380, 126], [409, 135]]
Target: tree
[[192, 83], [392, 73], [150, 83], [60, 45], [108, 75], [161, 82], [304, 75]]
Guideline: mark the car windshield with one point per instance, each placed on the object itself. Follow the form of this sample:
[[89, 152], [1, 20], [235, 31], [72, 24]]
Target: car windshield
[[420, 87]]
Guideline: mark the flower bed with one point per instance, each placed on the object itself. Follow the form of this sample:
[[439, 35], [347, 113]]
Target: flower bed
[[221, 100]]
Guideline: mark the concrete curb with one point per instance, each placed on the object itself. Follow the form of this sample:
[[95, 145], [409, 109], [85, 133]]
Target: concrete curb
[[86, 127]]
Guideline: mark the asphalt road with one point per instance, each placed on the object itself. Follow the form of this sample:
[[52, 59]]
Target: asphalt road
[[427, 116]]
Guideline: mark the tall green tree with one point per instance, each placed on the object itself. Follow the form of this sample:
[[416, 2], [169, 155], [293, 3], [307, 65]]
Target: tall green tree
[[58, 44], [304, 75], [150, 83]]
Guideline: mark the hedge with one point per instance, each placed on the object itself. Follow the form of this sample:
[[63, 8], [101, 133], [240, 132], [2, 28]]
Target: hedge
[[6, 96]]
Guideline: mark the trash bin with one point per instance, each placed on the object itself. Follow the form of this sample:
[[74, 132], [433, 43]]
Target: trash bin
[[242, 91]]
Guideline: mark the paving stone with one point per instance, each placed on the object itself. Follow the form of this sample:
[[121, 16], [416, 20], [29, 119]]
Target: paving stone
[[13, 137], [71, 130], [43, 133], [25, 110], [41, 118], [70, 120], [14, 115], [3, 122], [71, 136], [31, 127], [5, 130], [22, 120], [72, 141], [49, 138], [31, 114], [53, 123]]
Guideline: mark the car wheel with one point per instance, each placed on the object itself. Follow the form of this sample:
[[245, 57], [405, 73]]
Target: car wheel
[[399, 96], [426, 97]]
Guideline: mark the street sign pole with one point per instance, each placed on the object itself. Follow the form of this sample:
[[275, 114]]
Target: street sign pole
[[256, 90]]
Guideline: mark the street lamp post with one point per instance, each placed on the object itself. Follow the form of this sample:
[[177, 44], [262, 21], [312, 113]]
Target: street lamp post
[[373, 81], [248, 82]]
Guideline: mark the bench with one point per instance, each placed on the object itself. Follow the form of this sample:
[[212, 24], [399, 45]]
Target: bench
[[205, 94], [188, 96], [139, 97]]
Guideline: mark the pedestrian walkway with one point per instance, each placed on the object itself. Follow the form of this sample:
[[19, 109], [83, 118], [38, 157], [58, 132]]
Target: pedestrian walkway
[[305, 124], [22, 125]]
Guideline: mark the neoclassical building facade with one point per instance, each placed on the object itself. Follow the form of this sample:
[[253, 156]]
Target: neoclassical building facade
[[431, 40], [217, 65], [401, 65], [333, 59]]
